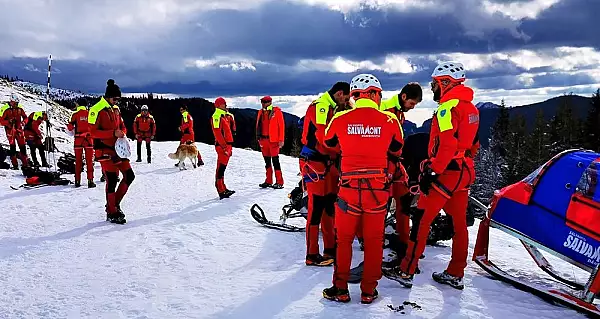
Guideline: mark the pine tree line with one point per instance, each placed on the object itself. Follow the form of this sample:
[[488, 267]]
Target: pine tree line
[[514, 151]]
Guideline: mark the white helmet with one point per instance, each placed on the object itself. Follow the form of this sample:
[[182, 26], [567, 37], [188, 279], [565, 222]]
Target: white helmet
[[14, 98], [144, 107], [122, 148], [452, 69], [364, 82]]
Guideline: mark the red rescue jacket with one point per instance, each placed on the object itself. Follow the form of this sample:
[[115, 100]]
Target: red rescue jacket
[[104, 121], [318, 115], [34, 120], [366, 136], [14, 117], [187, 123], [454, 130], [79, 124], [270, 124], [223, 125], [144, 125]]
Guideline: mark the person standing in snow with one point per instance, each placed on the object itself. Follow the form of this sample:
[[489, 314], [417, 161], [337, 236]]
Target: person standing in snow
[[144, 129], [448, 173], [33, 135], [121, 127], [83, 143], [410, 95], [270, 133], [223, 126], [105, 128], [366, 138], [187, 130], [13, 118], [320, 173]]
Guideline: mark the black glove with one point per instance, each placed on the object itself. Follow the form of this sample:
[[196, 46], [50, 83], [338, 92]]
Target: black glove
[[426, 178]]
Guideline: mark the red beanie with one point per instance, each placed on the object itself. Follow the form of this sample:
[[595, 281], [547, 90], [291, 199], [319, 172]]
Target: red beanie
[[220, 102], [266, 99]]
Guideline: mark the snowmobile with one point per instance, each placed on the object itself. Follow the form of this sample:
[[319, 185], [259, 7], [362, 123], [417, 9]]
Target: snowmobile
[[554, 209]]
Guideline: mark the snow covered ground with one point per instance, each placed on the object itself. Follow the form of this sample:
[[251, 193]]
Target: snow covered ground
[[186, 254]]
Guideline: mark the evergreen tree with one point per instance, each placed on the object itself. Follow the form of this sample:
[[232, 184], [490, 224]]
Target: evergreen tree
[[592, 125], [498, 146], [565, 129], [538, 143], [516, 167]]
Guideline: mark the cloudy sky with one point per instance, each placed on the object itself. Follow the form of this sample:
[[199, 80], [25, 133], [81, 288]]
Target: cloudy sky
[[523, 51]]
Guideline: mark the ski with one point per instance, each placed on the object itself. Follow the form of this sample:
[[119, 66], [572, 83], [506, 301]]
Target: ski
[[259, 215], [554, 295], [26, 186]]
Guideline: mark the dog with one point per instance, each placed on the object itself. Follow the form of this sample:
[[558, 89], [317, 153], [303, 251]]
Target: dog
[[185, 151]]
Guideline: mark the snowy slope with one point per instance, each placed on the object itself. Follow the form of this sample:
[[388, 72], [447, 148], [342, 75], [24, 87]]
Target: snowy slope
[[185, 254], [31, 102], [55, 93]]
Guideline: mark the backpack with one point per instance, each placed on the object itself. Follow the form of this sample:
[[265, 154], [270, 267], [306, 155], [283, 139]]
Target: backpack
[[66, 164], [34, 176]]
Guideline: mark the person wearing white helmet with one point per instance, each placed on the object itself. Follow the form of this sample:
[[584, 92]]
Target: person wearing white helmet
[[13, 118], [365, 137], [144, 128], [448, 173]]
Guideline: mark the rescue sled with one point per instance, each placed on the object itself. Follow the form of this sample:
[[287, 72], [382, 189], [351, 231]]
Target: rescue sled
[[555, 209]]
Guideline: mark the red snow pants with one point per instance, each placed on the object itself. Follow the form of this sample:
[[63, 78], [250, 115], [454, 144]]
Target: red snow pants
[[450, 193], [223, 156], [270, 153], [362, 205], [84, 143], [15, 136], [321, 185], [111, 168]]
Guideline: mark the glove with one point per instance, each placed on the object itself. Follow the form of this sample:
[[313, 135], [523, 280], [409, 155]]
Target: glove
[[152, 137], [427, 177]]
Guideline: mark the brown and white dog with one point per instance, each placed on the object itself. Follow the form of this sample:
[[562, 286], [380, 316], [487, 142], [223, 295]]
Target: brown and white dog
[[185, 151]]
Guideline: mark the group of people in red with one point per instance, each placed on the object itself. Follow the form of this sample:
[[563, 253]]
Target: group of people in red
[[96, 132], [351, 168], [22, 129]]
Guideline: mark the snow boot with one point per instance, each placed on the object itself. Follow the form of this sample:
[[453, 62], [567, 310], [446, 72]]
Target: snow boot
[[368, 298], [277, 186], [77, 184], [395, 274], [264, 185], [336, 294], [91, 183], [318, 260], [447, 279], [116, 218], [138, 160], [329, 253]]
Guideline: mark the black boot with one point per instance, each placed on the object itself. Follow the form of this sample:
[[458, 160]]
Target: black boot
[[91, 183]]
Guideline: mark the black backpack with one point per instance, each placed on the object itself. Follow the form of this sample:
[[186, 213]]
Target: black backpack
[[66, 164]]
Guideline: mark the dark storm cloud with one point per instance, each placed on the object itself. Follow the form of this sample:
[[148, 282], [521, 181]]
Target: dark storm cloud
[[282, 33]]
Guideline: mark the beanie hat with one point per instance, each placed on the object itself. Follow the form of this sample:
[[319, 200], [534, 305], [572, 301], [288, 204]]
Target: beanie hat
[[220, 102], [112, 90], [266, 99]]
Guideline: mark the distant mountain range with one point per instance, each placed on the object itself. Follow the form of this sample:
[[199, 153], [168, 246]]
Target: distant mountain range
[[488, 113]]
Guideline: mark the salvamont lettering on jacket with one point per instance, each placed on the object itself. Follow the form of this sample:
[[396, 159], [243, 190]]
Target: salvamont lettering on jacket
[[364, 131]]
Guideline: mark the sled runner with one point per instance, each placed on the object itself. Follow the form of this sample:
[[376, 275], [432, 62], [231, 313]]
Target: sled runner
[[555, 209]]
